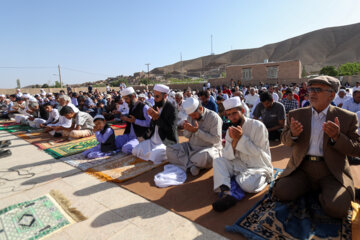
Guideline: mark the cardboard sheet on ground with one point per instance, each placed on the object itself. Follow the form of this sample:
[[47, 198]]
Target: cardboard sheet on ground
[[122, 169]]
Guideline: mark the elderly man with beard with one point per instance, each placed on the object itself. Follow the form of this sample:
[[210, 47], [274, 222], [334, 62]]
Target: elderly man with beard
[[203, 128], [246, 156], [56, 129], [38, 114], [163, 128], [321, 137], [137, 122]]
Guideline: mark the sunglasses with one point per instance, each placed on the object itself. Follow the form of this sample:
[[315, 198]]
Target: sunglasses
[[318, 90]]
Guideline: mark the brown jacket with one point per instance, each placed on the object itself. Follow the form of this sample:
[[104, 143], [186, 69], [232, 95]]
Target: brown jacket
[[348, 143]]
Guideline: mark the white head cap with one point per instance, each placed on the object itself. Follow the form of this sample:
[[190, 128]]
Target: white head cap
[[232, 103], [161, 88], [2, 95], [342, 90], [26, 95], [43, 94], [127, 91], [99, 117], [142, 95], [190, 105]]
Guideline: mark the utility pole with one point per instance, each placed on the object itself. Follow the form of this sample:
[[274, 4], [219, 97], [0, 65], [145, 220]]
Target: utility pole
[[148, 64], [60, 76]]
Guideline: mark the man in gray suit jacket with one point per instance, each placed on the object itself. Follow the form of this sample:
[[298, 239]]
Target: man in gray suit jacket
[[321, 136]]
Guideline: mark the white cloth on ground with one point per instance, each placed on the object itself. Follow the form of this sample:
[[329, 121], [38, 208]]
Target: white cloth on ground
[[172, 175]]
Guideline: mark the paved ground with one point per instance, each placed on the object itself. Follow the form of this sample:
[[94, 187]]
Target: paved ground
[[113, 212]]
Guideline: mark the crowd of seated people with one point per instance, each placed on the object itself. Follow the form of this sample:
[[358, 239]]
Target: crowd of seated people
[[229, 129]]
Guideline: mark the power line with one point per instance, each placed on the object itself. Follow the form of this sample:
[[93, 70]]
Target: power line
[[76, 70], [28, 67]]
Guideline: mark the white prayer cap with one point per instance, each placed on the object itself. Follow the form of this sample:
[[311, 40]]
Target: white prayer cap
[[252, 88], [127, 91], [172, 94], [43, 94], [263, 89], [32, 99], [190, 105], [142, 95], [99, 117], [232, 103], [26, 95], [49, 94], [2, 95], [161, 88], [342, 90]]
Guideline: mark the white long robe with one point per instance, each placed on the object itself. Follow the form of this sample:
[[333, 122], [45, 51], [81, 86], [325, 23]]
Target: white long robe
[[250, 164]]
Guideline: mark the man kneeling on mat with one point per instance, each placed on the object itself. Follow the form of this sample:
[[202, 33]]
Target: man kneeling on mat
[[246, 156], [82, 123]]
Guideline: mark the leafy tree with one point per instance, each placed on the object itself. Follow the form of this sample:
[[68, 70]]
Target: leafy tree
[[304, 73], [57, 84], [145, 81], [349, 69], [329, 70], [45, 85]]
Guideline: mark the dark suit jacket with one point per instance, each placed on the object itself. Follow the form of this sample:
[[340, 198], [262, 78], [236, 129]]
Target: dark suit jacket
[[348, 143], [167, 124]]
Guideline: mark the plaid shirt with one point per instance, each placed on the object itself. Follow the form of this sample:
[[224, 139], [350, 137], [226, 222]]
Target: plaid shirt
[[290, 104]]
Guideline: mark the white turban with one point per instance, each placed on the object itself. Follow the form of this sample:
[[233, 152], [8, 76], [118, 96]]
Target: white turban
[[190, 105], [161, 88], [127, 91], [232, 103]]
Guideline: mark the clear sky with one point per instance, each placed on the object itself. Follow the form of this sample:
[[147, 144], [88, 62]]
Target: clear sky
[[106, 38]]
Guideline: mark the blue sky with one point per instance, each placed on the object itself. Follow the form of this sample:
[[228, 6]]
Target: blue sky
[[109, 38]]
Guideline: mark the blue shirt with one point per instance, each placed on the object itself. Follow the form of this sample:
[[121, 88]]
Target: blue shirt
[[211, 105]]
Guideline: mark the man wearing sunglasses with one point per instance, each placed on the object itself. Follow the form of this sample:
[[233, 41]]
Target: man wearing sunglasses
[[321, 136], [163, 128]]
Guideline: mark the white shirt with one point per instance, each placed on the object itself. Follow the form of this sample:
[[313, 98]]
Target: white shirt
[[123, 108], [317, 133], [251, 99], [350, 105], [338, 100], [53, 116], [275, 97]]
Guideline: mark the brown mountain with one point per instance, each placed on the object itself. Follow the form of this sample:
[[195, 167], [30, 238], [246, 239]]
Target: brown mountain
[[328, 46]]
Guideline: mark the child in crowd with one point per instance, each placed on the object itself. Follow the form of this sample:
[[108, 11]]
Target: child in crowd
[[105, 135], [53, 115], [82, 126]]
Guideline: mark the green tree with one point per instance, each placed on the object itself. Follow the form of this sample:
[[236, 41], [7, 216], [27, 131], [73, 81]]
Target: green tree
[[304, 73], [57, 84], [45, 85], [18, 85], [329, 70], [145, 81], [349, 69]]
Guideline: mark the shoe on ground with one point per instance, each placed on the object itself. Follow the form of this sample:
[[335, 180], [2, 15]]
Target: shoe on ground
[[5, 153], [194, 170], [4, 144], [224, 203]]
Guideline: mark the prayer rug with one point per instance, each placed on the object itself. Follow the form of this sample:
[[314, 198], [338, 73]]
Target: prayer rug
[[122, 169], [6, 124], [71, 148], [16, 128], [79, 161], [37, 218], [300, 219], [119, 125]]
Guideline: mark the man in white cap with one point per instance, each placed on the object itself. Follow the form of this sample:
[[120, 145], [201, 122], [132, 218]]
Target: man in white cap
[[246, 156], [203, 128], [252, 98], [163, 128], [18, 93], [182, 116], [341, 98], [137, 122]]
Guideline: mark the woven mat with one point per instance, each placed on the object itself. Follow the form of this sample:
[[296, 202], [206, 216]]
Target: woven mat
[[79, 161], [16, 128], [122, 169], [71, 148], [32, 219]]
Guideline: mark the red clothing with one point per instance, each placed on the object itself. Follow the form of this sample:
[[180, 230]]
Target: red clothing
[[228, 92]]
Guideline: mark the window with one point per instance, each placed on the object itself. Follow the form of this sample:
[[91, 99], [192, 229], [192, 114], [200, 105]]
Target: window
[[246, 73], [272, 72]]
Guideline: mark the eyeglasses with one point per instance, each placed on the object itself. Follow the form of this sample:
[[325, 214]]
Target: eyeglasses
[[318, 90]]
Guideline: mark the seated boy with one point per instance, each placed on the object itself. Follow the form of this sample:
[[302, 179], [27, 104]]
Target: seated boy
[[53, 116], [82, 123], [105, 136]]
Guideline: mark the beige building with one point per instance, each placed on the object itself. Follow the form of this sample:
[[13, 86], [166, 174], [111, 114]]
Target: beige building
[[267, 72]]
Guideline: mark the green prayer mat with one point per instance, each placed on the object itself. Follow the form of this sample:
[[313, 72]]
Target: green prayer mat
[[32, 219], [17, 128], [71, 148]]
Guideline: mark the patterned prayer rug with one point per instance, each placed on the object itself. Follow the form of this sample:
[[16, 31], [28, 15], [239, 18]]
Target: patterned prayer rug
[[79, 161], [33, 219], [300, 219], [122, 169], [16, 128], [71, 148]]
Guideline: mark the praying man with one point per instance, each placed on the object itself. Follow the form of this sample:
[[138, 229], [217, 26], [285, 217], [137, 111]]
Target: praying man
[[203, 128], [246, 156]]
